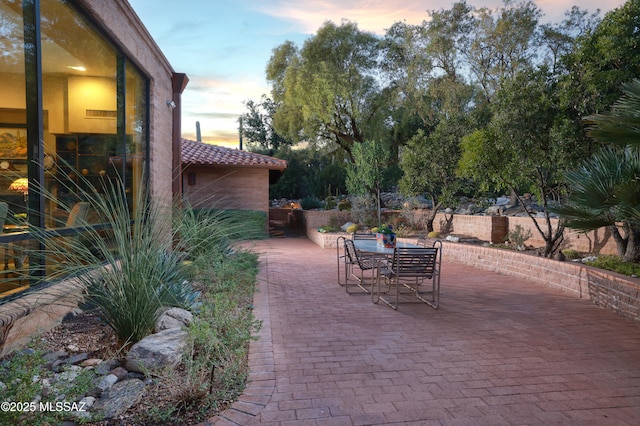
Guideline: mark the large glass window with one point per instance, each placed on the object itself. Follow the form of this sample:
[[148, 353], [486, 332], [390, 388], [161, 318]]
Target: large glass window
[[93, 122]]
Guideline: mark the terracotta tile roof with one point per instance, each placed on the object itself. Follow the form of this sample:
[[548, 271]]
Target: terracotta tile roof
[[204, 154]]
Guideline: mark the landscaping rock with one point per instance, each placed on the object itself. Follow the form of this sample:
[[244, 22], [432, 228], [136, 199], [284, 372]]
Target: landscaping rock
[[157, 350], [103, 384], [106, 366], [77, 359], [174, 318], [346, 226], [91, 362], [119, 398]]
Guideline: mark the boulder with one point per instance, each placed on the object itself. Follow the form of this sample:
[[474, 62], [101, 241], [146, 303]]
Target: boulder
[[119, 398], [157, 350], [173, 318]]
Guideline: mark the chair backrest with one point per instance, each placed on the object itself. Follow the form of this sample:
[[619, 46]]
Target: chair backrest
[[363, 236], [415, 262], [350, 250], [78, 214], [4, 209]]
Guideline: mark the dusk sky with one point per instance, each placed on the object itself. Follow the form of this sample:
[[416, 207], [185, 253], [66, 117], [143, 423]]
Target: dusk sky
[[224, 46]]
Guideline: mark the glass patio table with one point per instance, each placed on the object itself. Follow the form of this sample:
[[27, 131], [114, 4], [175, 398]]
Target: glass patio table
[[372, 247]]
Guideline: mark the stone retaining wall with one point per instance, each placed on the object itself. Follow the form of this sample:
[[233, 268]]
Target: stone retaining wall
[[487, 228]]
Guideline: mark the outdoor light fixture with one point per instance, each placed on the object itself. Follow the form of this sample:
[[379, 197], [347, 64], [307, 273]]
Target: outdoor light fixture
[[171, 104]]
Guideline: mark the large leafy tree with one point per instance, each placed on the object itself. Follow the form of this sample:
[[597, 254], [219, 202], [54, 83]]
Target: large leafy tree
[[604, 57], [605, 190], [429, 164], [327, 92], [257, 126], [501, 43], [517, 151]]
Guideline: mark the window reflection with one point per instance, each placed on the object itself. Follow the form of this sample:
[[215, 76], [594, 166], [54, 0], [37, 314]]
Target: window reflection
[[92, 134]]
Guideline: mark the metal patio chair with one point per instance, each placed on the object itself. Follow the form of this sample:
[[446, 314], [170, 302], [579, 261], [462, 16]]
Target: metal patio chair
[[356, 265], [344, 267], [406, 274]]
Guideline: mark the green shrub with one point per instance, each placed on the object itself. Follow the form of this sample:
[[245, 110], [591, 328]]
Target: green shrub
[[329, 203], [519, 236], [615, 264], [352, 229], [571, 254], [310, 203], [23, 373], [433, 234], [344, 205]]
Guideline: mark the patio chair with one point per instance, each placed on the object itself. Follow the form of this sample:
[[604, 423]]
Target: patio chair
[[341, 257], [408, 270], [358, 264]]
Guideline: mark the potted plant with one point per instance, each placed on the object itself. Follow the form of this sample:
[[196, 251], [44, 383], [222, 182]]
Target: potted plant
[[385, 237]]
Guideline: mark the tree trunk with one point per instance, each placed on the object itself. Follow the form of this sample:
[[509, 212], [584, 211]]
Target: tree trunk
[[621, 242], [513, 199], [632, 253], [431, 217]]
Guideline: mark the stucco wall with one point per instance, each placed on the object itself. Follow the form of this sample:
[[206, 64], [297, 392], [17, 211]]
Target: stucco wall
[[228, 188]]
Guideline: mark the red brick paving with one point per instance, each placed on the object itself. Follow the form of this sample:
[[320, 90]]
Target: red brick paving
[[499, 351]]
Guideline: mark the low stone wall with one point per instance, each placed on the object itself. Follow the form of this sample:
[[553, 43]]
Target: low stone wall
[[487, 228], [615, 292], [35, 313]]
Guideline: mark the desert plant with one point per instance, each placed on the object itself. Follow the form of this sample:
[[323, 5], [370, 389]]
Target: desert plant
[[214, 364], [132, 265], [309, 203], [352, 228], [363, 211], [23, 374], [344, 205], [329, 203], [433, 234], [519, 236], [571, 254]]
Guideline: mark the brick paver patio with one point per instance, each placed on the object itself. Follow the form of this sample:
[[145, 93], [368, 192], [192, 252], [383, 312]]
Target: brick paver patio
[[499, 351]]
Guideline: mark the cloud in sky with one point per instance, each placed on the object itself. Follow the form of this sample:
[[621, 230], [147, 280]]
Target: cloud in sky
[[374, 16], [224, 46]]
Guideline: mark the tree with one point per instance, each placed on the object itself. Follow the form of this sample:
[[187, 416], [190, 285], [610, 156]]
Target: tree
[[517, 150], [257, 126], [328, 91], [367, 174], [593, 73], [429, 165], [605, 190], [501, 44]]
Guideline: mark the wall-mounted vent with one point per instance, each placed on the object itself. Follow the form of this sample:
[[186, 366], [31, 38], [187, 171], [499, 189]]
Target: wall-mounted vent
[[101, 113]]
